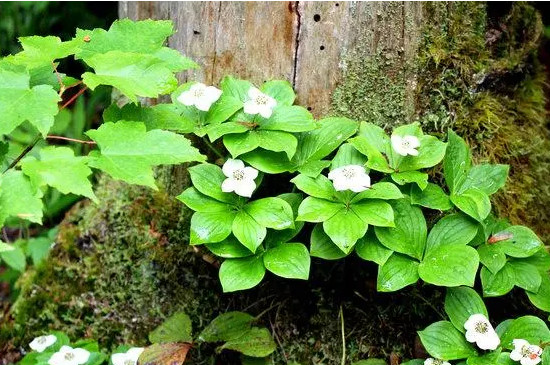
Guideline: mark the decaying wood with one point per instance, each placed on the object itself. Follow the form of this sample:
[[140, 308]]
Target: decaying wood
[[307, 43]]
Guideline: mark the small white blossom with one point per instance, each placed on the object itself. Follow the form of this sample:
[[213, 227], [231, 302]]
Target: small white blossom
[[201, 96], [479, 330], [432, 361], [259, 103], [350, 177], [405, 145], [129, 357], [69, 356], [526, 353], [39, 344], [240, 179]]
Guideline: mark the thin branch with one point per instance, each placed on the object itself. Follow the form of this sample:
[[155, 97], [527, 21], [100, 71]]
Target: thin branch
[[343, 336], [70, 139], [59, 80], [80, 92], [214, 149], [24, 153]]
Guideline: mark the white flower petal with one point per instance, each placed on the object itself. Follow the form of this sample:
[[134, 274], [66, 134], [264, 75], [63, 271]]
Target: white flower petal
[[340, 184], [203, 104], [397, 145], [413, 141], [228, 185], [245, 188], [529, 361], [212, 93], [412, 152], [250, 173], [80, 356], [271, 102], [119, 359], [187, 98], [471, 336], [57, 359], [231, 165], [488, 341], [334, 174], [250, 107], [265, 111], [429, 361], [254, 92], [519, 343], [515, 355], [134, 352], [473, 319]]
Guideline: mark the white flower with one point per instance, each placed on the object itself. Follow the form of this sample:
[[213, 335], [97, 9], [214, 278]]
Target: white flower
[[432, 361], [259, 103], [240, 179], [129, 357], [405, 145], [39, 344], [350, 177], [69, 356], [525, 353], [201, 96], [479, 330]]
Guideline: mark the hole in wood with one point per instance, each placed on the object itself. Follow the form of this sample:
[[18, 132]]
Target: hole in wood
[[309, 108], [316, 17], [322, 48], [196, 32], [337, 4]]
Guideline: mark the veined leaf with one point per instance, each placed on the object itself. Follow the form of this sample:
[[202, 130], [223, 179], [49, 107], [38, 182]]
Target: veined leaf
[[19, 198]]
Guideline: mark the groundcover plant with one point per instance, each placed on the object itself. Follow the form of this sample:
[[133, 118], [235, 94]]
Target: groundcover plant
[[342, 186]]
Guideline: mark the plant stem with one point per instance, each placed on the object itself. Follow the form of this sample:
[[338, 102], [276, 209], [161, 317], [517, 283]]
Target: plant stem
[[80, 92], [70, 139], [343, 337], [214, 149], [24, 153]]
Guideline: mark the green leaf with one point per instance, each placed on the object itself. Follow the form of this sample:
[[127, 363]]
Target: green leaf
[[432, 197], [489, 358], [396, 273], [19, 102], [529, 328], [453, 229], [317, 210], [369, 248], [133, 74], [236, 88], [289, 119], [15, 259], [275, 237], [381, 190], [160, 116], [277, 141], [417, 177], [164, 354], [207, 179], [6, 247], [347, 155], [498, 284], [443, 341], [256, 342], [430, 153], [540, 259], [344, 229], [374, 212], [409, 234], [215, 131], [523, 242], [226, 327], [237, 144], [59, 168], [40, 51], [177, 328], [492, 257], [457, 162], [249, 232], [242, 273], [279, 90], [450, 265], [319, 187], [128, 151], [200, 202], [321, 245], [461, 303], [486, 177], [473, 202], [229, 248], [546, 356], [272, 213], [541, 299], [375, 158], [211, 226], [19, 198], [38, 248], [526, 276], [289, 260]]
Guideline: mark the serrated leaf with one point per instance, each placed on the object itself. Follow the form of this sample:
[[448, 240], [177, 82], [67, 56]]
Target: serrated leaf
[[59, 168], [128, 151], [396, 273], [160, 116], [19, 102], [19, 198], [461, 303], [242, 273], [288, 260], [409, 234], [450, 265], [226, 327], [256, 342], [176, 328], [443, 341], [42, 51]]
